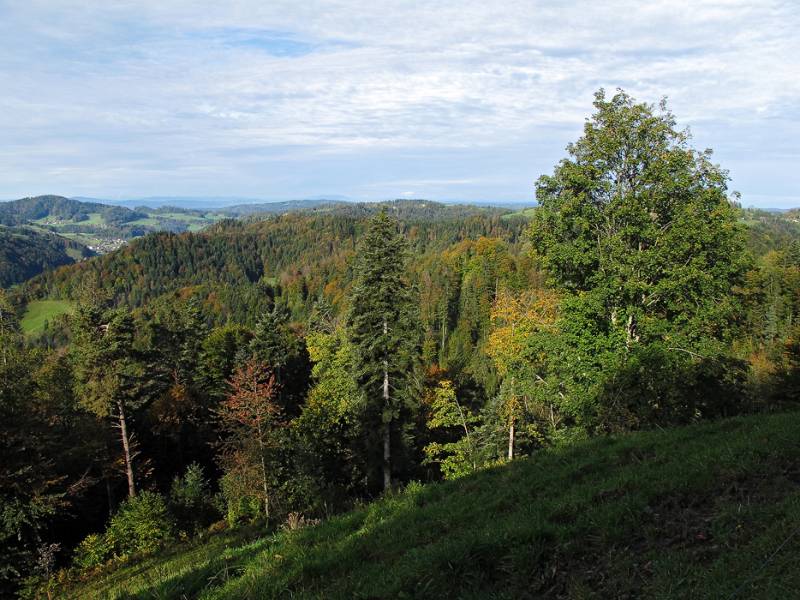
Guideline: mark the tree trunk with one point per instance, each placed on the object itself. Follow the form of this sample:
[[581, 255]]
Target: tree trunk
[[511, 439], [511, 431], [263, 473], [110, 496], [387, 433], [123, 428]]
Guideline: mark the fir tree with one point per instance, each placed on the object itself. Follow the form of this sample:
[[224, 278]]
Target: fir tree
[[383, 325]]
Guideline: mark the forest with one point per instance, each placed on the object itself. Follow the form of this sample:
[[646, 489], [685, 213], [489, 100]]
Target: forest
[[285, 369]]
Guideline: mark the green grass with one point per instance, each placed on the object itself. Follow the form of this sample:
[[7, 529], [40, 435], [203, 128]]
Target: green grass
[[698, 512], [526, 213], [193, 222], [145, 222], [39, 311]]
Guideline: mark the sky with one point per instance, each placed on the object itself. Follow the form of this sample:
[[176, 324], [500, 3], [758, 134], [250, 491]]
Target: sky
[[444, 100]]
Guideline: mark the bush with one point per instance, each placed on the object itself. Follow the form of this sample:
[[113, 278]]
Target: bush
[[93, 551], [142, 524], [191, 502]]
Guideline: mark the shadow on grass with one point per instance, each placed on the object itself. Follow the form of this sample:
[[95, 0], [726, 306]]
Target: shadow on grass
[[201, 578]]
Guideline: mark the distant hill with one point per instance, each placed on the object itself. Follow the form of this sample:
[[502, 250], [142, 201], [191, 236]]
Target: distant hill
[[25, 253], [279, 207], [60, 209], [299, 249], [102, 227]]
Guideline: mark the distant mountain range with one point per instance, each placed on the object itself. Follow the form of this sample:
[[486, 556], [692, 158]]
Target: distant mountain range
[[205, 202], [270, 206]]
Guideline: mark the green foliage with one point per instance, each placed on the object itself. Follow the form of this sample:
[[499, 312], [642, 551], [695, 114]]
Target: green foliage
[[640, 224], [329, 429], [455, 458], [239, 487], [216, 360], [384, 330], [94, 551], [191, 501], [141, 525], [636, 229], [24, 253]]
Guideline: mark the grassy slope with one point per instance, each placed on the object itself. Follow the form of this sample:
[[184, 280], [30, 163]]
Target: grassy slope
[[39, 311], [687, 513]]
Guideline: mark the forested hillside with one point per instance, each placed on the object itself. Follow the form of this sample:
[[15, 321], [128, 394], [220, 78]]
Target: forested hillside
[[102, 227], [58, 208], [24, 253], [274, 372]]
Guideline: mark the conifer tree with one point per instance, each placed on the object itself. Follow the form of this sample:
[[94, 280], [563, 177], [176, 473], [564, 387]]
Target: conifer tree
[[383, 325], [112, 377]]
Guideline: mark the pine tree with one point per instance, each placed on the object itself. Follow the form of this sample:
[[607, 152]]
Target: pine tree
[[112, 377], [383, 326]]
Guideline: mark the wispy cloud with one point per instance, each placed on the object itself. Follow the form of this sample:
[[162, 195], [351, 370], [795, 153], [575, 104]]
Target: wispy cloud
[[285, 98]]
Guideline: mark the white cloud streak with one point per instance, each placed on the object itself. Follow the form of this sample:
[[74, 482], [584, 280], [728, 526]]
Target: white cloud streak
[[152, 97]]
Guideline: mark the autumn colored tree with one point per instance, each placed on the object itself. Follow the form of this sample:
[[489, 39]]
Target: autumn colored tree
[[249, 416], [523, 330]]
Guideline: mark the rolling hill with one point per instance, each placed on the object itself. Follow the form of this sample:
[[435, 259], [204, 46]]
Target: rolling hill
[[25, 253]]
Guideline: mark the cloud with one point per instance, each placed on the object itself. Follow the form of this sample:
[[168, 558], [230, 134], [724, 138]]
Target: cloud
[[162, 97]]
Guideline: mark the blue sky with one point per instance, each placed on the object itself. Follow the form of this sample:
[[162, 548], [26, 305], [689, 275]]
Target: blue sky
[[372, 100]]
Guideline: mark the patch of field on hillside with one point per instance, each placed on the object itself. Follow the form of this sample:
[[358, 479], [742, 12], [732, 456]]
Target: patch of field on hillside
[[39, 312]]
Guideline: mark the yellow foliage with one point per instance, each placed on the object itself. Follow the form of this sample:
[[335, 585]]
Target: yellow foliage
[[515, 317]]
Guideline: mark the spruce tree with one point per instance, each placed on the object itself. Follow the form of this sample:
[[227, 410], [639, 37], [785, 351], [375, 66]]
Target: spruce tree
[[383, 325]]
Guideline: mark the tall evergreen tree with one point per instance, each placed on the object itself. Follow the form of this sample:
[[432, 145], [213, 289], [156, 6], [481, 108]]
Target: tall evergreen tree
[[384, 329], [112, 376]]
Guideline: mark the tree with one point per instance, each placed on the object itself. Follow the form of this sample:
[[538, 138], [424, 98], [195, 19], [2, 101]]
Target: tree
[[330, 424], [383, 327], [635, 229], [249, 416], [459, 457], [112, 376], [639, 224], [276, 345], [523, 326]]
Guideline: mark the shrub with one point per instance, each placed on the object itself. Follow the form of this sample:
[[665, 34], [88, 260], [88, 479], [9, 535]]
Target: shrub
[[242, 506], [142, 524], [190, 500], [93, 551]]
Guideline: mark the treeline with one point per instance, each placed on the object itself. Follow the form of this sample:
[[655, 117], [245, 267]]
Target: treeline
[[287, 368]]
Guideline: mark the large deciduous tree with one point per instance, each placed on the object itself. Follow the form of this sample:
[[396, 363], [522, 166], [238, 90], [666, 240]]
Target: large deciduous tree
[[384, 329], [636, 229], [639, 223]]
